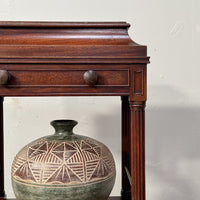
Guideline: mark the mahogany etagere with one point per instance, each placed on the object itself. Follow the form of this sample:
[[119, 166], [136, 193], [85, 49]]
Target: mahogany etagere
[[80, 59]]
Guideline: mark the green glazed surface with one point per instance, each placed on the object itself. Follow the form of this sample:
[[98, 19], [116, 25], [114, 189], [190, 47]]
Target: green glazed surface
[[92, 191]]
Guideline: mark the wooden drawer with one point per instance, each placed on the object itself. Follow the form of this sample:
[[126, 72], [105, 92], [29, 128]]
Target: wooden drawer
[[66, 78]]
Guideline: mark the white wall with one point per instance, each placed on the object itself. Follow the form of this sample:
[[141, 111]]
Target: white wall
[[171, 29]]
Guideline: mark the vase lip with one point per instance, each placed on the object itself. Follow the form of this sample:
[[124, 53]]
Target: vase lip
[[64, 122]]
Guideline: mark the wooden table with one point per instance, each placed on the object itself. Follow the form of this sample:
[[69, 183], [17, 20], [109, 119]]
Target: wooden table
[[80, 59]]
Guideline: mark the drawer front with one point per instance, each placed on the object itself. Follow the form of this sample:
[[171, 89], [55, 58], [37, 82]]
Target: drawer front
[[64, 79]]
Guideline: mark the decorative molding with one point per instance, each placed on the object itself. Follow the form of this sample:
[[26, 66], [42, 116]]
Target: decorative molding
[[138, 84]]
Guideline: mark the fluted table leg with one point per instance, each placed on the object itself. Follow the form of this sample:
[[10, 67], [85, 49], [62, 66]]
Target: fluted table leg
[[137, 119]]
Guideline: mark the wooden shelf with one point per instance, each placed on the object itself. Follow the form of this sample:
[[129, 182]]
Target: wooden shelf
[[110, 198]]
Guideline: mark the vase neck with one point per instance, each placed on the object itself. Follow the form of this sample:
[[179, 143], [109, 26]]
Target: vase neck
[[64, 127]]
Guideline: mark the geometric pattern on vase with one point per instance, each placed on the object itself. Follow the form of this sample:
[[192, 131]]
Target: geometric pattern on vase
[[63, 163]]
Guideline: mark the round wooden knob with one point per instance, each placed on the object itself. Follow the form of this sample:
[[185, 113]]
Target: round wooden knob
[[90, 77], [4, 77]]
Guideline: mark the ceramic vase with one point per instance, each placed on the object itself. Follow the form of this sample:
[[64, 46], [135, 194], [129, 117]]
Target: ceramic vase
[[63, 166]]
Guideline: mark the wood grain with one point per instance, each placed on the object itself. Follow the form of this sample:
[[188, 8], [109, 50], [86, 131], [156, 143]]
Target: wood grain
[[110, 198], [50, 58], [45, 24]]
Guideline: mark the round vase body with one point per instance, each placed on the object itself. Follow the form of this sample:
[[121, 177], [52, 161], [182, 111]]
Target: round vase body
[[63, 166]]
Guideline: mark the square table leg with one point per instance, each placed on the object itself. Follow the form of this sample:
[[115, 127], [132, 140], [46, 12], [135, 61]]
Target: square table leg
[[126, 151], [2, 191]]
